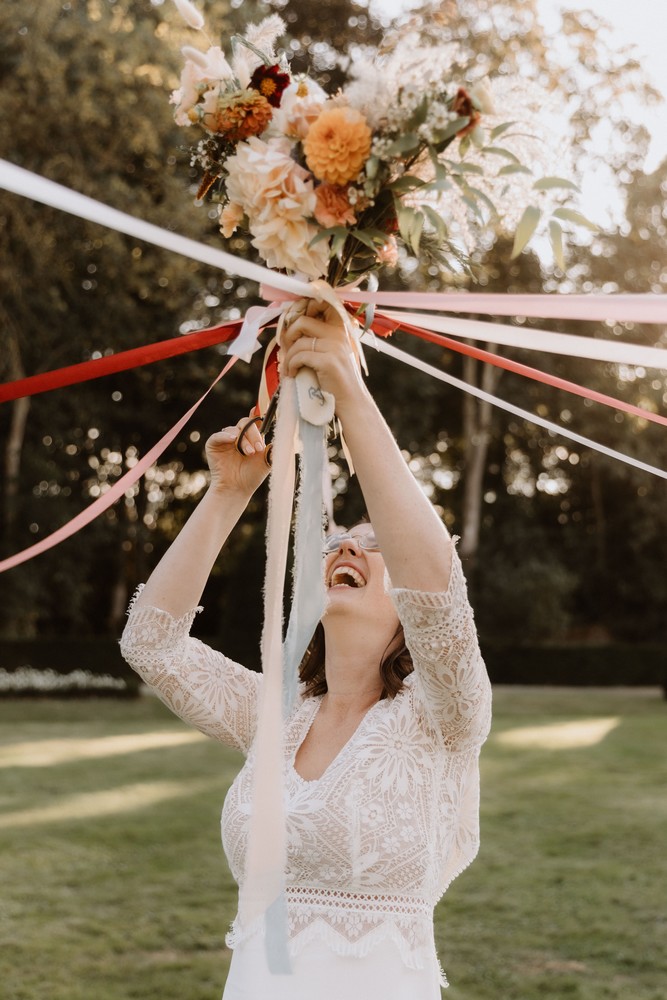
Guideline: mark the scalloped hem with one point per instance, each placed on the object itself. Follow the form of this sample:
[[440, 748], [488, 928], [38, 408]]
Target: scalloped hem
[[319, 930]]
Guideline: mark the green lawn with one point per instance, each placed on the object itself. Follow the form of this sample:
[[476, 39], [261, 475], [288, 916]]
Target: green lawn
[[114, 886]]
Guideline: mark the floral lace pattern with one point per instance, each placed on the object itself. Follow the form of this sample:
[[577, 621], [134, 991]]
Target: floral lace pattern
[[200, 685], [375, 841]]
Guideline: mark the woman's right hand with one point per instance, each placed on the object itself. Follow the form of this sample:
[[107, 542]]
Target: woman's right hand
[[232, 472]]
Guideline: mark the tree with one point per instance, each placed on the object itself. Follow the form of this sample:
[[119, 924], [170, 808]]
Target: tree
[[98, 73]]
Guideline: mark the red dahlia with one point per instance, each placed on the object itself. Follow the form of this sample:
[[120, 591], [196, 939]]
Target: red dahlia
[[270, 82]]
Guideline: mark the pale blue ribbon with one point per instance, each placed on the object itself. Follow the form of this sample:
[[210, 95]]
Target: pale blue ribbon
[[308, 593], [308, 601]]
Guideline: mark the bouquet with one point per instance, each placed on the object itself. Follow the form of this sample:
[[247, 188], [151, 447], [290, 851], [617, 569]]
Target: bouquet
[[329, 185]]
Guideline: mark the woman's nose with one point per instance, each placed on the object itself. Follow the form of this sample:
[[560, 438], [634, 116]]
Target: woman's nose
[[350, 545]]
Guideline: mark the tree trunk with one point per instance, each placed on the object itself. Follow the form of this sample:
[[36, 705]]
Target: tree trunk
[[15, 439], [477, 421]]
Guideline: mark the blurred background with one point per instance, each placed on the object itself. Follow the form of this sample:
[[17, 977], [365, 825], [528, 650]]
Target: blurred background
[[107, 884], [562, 545]]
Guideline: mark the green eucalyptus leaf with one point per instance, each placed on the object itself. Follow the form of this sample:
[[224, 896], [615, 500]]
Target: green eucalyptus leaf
[[449, 131], [337, 244], [571, 215], [501, 151], [513, 168], [436, 221], [547, 183], [410, 225], [478, 137], [471, 202], [556, 238], [526, 228], [379, 235], [467, 168], [419, 115], [404, 144], [371, 168], [484, 198], [499, 129], [438, 185], [325, 234], [364, 238], [408, 182], [417, 232]]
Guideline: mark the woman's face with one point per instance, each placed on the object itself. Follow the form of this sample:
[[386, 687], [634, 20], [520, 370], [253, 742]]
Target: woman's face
[[355, 574]]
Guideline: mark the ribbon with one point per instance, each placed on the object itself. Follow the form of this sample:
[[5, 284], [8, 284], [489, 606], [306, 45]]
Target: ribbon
[[532, 339], [308, 593], [30, 185], [381, 325], [556, 429], [124, 360], [623, 308], [641, 308], [118, 489], [262, 892], [384, 326]]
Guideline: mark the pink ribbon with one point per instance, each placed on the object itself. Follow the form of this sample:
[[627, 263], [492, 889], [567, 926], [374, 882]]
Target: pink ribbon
[[114, 493], [624, 308]]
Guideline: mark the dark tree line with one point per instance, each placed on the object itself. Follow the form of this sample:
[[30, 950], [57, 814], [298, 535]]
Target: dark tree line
[[560, 542]]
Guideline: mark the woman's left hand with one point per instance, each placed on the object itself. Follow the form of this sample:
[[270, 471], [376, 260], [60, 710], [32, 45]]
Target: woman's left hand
[[317, 339]]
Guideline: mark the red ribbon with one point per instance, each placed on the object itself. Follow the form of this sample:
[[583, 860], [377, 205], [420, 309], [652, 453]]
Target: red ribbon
[[134, 358], [114, 493], [384, 326]]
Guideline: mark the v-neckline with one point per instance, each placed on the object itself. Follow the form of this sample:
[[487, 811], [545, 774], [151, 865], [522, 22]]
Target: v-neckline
[[334, 760]]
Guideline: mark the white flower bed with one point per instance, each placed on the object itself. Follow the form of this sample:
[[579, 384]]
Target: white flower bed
[[28, 679]]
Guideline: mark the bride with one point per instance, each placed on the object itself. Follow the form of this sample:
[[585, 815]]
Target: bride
[[381, 749]]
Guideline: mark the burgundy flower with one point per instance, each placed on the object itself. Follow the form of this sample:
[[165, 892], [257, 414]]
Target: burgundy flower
[[464, 107], [270, 82]]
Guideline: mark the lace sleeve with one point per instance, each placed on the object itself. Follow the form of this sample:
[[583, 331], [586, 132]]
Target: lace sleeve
[[197, 683], [450, 676]]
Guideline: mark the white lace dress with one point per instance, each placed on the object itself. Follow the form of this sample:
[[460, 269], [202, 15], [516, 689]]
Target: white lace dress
[[374, 842]]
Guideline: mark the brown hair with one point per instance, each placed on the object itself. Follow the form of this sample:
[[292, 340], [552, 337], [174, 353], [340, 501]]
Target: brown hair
[[395, 665]]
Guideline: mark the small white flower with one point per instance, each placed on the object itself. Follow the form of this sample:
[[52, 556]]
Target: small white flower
[[404, 810], [373, 814], [391, 844]]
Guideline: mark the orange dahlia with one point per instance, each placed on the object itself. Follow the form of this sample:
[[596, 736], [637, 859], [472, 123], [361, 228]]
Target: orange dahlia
[[332, 206], [240, 115], [337, 145]]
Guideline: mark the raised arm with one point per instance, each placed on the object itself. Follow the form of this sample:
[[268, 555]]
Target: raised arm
[[178, 580], [415, 544], [198, 683]]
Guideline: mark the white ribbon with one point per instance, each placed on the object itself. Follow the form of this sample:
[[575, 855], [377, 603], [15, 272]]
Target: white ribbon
[[533, 339], [395, 352], [647, 308], [23, 182]]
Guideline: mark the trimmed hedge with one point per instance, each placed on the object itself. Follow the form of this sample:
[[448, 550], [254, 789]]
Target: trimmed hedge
[[578, 666], [69, 657], [559, 665]]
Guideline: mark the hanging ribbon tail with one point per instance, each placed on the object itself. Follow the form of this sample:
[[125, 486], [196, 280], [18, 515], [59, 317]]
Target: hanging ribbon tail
[[309, 592], [261, 896], [257, 317]]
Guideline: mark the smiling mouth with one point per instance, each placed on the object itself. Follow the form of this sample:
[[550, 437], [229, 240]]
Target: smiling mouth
[[346, 576]]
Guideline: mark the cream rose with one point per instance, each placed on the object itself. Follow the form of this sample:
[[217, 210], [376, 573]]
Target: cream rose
[[277, 196]]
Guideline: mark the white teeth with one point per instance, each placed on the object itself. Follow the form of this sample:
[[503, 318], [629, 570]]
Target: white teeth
[[346, 576]]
